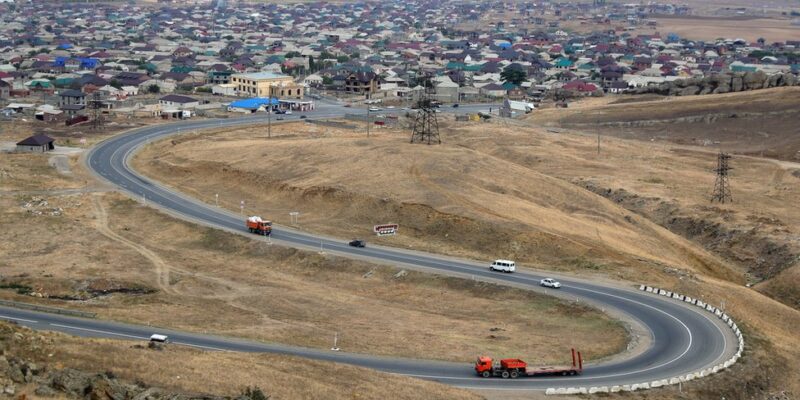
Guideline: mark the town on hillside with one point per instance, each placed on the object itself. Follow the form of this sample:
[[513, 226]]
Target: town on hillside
[[65, 63]]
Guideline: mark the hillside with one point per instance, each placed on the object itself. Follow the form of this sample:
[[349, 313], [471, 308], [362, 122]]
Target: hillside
[[40, 365], [760, 122], [102, 252], [541, 196], [487, 207]]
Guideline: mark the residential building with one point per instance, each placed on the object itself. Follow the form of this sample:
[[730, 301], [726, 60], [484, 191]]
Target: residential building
[[182, 102], [36, 144], [266, 84], [71, 97]]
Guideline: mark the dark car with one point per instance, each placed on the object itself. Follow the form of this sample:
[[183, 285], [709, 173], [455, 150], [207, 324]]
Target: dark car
[[358, 243], [455, 105], [303, 117]]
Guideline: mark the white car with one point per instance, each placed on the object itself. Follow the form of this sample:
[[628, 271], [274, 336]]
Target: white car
[[288, 112], [551, 283], [374, 109], [390, 107]]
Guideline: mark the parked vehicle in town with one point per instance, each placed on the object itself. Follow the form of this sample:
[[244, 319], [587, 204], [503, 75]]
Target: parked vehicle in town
[[514, 368], [551, 283], [259, 226], [503, 266]]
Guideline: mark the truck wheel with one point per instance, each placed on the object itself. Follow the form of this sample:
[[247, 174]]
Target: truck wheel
[[486, 374], [573, 373], [250, 229], [505, 374], [514, 374], [564, 373]]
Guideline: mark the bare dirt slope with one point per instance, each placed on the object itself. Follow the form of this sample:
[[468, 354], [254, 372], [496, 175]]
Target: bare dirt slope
[[543, 196], [101, 252], [760, 122]]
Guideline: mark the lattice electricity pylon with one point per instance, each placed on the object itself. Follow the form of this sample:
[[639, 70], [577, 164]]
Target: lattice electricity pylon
[[722, 186], [426, 127], [95, 104]]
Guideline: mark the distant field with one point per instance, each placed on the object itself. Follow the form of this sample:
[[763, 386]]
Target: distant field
[[711, 28]]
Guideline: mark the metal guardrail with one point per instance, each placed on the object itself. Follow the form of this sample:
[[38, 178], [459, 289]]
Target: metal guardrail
[[51, 310]]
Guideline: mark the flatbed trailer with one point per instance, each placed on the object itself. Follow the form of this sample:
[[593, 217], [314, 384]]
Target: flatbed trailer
[[514, 368]]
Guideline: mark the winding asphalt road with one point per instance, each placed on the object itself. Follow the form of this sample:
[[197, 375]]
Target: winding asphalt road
[[682, 338]]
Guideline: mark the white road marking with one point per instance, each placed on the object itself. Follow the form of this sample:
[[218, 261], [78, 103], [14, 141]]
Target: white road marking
[[99, 331], [200, 346], [18, 319]]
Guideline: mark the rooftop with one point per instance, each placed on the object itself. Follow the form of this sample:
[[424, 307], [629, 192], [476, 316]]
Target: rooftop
[[261, 75]]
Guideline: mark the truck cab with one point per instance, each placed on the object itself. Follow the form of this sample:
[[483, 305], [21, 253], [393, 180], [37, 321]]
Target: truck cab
[[483, 366]]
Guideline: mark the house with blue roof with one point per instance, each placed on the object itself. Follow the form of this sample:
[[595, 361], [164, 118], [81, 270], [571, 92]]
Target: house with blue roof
[[252, 105]]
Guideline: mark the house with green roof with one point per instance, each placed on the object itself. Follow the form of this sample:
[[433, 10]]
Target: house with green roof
[[563, 63]]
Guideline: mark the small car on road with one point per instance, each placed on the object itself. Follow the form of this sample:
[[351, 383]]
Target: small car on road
[[374, 109], [551, 283], [303, 117], [358, 243]]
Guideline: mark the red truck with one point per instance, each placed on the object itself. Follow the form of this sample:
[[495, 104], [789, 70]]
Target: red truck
[[514, 368], [259, 226]]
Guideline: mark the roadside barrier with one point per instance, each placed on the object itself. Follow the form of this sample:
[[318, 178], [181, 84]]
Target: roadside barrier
[[677, 379], [51, 310]]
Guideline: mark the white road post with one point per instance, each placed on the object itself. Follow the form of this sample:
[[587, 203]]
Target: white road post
[[241, 208], [335, 341], [216, 199]]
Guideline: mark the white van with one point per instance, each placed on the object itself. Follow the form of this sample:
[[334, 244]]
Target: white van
[[503, 266], [159, 338]]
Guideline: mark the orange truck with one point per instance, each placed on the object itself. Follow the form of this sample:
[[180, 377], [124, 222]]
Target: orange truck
[[259, 226], [514, 368]]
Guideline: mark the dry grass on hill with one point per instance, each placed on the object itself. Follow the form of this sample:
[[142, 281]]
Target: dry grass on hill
[[196, 372], [449, 198], [507, 189], [759, 122], [107, 254]]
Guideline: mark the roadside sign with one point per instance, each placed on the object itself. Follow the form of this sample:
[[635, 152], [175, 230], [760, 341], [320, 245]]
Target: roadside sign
[[386, 229]]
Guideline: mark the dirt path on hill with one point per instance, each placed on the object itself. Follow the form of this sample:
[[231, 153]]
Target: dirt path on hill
[[162, 269]]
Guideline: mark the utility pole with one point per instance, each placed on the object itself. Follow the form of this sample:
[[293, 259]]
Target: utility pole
[[367, 120], [722, 186]]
